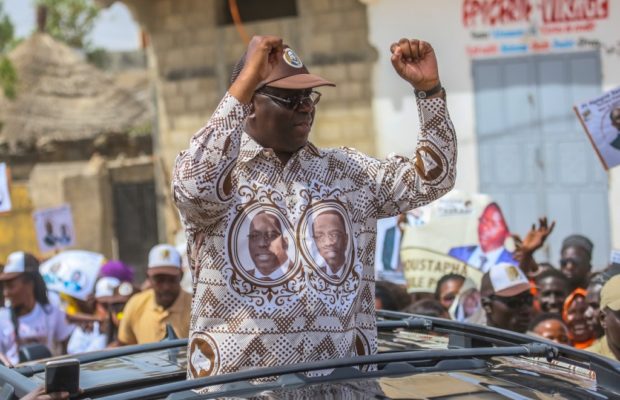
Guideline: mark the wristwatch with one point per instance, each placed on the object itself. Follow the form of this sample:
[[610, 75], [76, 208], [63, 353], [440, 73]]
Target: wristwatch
[[422, 94]]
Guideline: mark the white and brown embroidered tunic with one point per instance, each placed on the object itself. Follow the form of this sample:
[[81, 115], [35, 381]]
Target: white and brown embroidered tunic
[[282, 255]]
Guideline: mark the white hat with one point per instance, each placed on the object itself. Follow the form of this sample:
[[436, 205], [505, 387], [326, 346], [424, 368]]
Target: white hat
[[508, 280], [105, 287], [17, 263], [111, 290], [164, 259]]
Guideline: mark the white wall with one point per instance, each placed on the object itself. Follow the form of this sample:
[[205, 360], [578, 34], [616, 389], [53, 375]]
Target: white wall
[[440, 22], [394, 105]]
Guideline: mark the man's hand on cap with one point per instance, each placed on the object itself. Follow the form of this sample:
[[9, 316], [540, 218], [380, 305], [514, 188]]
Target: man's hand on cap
[[261, 57], [414, 60]]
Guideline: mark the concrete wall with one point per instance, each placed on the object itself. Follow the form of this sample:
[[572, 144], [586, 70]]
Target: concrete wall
[[441, 23], [17, 226], [191, 59], [87, 188]]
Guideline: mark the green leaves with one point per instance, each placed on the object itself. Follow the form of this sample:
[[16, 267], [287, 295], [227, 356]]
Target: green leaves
[[8, 76], [70, 21]]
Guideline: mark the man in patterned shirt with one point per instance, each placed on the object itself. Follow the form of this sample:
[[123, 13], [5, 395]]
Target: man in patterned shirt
[[253, 159]]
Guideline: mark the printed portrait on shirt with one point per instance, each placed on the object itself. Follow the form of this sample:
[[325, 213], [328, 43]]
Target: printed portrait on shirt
[[328, 245], [262, 247], [203, 357]]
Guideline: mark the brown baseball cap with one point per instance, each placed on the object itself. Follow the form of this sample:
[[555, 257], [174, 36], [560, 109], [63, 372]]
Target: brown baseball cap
[[288, 73]]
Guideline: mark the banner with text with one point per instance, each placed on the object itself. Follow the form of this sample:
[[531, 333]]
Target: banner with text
[[460, 233], [536, 26]]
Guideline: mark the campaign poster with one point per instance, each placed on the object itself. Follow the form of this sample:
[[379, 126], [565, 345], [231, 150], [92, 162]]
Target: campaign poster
[[460, 233], [54, 228], [387, 254], [72, 272], [5, 194], [600, 118]]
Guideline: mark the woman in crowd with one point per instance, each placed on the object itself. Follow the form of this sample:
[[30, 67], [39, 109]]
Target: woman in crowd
[[448, 288], [30, 318], [574, 315]]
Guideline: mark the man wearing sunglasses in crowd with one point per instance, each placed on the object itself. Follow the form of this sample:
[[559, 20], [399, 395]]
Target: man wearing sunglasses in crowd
[[254, 154], [506, 298]]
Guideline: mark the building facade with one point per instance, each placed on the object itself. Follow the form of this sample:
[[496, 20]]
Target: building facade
[[513, 71]]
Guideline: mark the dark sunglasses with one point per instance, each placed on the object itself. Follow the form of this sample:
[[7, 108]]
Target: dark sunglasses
[[294, 102], [515, 302]]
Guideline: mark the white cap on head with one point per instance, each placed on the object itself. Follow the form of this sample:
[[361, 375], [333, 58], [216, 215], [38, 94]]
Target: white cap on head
[[508, 280], [17, 263], [105, 287], [164, 259]]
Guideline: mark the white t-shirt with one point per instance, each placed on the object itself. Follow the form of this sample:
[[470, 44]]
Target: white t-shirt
[[44, 325], [7, 336]]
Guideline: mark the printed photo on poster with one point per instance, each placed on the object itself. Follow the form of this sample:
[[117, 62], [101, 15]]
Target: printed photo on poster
[[72, 272], [54, 228], [5, 195], [462, 233], [600, 118]]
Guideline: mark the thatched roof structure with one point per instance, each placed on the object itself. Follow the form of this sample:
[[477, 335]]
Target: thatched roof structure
[[61, 99]]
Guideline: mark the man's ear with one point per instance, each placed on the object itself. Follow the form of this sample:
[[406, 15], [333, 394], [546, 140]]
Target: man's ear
[[486, 305], [252, 108], [602, 318]]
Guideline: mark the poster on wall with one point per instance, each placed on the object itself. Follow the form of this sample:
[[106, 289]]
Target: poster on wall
[[600, 118], [5, 194], [54, 228], [461, 233]]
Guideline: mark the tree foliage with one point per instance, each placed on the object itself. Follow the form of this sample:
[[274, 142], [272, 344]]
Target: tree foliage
[[8, 76], [70, 21]]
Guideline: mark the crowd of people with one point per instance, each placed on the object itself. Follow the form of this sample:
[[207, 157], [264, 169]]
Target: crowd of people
[[37, 322], [570, 305]]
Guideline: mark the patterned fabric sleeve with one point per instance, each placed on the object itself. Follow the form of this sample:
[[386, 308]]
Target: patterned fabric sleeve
[[199, 181], [406, 183]]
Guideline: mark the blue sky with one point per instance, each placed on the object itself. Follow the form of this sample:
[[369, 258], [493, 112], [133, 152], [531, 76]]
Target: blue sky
[[115, 28]]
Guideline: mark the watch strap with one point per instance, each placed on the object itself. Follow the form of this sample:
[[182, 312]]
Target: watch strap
[[423, 94]]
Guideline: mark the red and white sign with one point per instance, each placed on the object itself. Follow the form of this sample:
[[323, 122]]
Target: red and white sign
[[493, 13]]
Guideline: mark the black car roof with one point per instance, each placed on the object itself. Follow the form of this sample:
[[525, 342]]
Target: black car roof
[[409, 347]]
